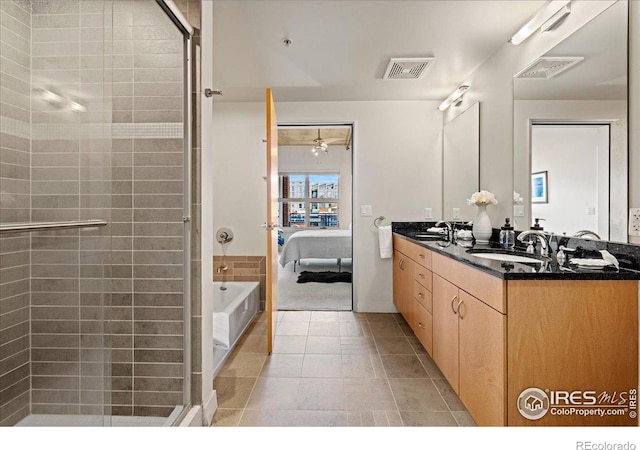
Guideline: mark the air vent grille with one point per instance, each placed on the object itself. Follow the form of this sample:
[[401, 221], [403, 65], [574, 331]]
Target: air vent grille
[[406, 68], [548, 67]]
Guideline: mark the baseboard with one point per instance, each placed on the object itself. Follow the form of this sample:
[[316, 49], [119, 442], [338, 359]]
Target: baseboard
[[210, 407]]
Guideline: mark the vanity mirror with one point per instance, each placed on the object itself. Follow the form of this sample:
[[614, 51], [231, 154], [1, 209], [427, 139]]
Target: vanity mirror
[[461, 164], [570, 121]]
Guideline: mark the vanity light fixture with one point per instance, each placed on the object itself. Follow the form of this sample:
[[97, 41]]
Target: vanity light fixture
[[546, 19], [455, 97]]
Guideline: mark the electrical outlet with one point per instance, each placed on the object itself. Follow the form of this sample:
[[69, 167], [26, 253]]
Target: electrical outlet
[[456, 213], [591, 211], [428, 213], [366, 210], [634, 221]]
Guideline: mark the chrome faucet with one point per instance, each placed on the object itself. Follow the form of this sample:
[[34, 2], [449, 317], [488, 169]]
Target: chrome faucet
[[449, 229], [222, 268], [585, 233], [544, 243]]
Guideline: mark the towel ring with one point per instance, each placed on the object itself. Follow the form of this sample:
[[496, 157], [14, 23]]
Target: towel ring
[[378, 220]]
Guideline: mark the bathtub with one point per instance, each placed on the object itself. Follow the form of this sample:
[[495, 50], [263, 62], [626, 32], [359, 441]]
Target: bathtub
[[234, 309]]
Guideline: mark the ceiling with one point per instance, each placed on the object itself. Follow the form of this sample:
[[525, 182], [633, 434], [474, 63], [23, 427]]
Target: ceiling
[[340, 49], [305, 136]]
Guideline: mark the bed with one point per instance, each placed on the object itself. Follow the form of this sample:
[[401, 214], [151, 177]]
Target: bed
[[323, 244]]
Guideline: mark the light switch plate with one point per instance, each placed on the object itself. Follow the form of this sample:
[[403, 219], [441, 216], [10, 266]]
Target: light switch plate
[[591, 211], [634, 221], [456, 213], [518, 211], [428, 213], [366, 210]]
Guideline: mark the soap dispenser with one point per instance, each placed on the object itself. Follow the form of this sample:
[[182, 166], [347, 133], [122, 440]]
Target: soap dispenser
[[536, 225], [507, 235]]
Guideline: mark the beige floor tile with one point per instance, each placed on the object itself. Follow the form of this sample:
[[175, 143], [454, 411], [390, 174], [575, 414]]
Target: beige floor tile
[[360, 419], [385, 329], [289, 344], [296, 316], [357, 366], [389, 418], [321, 419], [226, 417], [379, 317], [463, 418], [233, 392], [418, 394], [324, 316], [368, 395], [292, 329], [358, 345], [252, 418], [257, 328], [323, 344], [243, 365], [378, 368], [351, 329], [430, 366], [283, 365], [406, 329], [427, 419], [450, 397], [252, 344], [325, 328], [321, 393], [394, 345], [350, 316], [403, 366], [416, 345], [274, 393], [326, 366]]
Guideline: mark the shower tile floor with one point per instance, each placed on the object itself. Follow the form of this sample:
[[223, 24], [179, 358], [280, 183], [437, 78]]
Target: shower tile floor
[[334, 368]]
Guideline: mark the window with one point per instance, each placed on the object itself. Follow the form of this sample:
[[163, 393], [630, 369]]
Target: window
[[309, 200]]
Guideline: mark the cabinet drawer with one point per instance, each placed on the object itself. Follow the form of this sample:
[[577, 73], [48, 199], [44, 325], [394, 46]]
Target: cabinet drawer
[[423, 296], [489, 289], [423, 276], [423, 328], [419, 254]]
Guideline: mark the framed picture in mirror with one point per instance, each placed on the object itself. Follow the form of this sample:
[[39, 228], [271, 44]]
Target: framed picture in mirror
[[539, 193]]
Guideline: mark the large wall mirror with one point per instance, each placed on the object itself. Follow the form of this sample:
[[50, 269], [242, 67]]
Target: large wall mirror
[[461, 164], [570, 132]]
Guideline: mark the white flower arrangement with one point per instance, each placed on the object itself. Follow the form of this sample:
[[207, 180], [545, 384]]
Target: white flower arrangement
[[517, 198], [482, 198]]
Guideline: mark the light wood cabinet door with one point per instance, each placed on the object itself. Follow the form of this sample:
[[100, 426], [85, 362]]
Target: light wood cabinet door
[[483, 382], [423, 326], [445, 329], [397, 278]]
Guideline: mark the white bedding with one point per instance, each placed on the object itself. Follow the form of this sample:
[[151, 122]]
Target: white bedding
[[333, 244]]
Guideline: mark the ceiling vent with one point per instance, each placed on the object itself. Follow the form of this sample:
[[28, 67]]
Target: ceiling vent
[[406, 68], [548, 67]]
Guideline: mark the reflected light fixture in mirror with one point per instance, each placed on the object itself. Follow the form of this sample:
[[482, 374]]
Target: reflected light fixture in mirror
[[454, 97], [546, 19]]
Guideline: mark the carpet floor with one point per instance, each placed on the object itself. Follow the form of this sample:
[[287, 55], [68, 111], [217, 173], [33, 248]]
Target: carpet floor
[[294, 296]]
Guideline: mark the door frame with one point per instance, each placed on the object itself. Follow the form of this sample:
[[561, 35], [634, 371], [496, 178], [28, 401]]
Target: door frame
[[336, 124]]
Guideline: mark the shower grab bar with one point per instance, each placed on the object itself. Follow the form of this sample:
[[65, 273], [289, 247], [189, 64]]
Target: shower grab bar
[[39, 226]]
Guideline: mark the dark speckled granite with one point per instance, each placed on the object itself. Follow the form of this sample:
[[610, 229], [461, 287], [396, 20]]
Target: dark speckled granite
[[628, 256]]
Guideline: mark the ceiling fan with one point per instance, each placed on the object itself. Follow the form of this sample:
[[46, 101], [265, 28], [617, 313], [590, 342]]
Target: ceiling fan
[[321, 145]]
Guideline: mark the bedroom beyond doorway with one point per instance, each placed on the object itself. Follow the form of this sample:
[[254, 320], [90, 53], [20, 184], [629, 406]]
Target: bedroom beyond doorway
[[315, 217]]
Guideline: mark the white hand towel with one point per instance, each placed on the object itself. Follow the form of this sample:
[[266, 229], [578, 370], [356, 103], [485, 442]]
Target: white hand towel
[[385, 241], [221, 330], [610, 258]]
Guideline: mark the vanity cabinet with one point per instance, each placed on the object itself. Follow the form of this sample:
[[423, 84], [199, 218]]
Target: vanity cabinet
[[412, 285], [493, 338], [469, 339]]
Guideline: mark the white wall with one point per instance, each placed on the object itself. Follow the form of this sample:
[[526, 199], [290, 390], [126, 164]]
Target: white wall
[[491, 85], [571, 155], [336, 160], [397, 169]]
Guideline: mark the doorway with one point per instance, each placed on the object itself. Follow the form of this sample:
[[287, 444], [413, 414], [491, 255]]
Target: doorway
[[315, 216], [570, 177]]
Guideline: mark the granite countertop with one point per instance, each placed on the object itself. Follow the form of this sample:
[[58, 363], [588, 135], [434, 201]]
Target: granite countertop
[[550, 270]]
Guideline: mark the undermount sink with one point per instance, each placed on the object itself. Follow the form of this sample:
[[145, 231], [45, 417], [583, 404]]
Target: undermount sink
[[507, 256]]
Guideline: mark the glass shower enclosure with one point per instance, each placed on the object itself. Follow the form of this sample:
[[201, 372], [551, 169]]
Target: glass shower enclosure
[[94, 213]]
